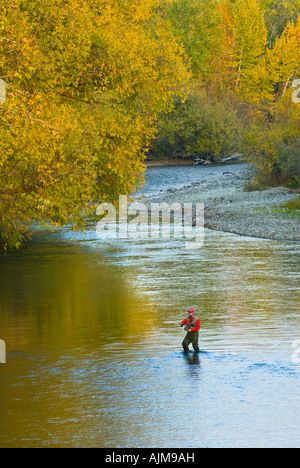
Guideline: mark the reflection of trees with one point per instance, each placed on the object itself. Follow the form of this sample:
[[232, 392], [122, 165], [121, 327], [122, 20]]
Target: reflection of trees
[[57, 294]]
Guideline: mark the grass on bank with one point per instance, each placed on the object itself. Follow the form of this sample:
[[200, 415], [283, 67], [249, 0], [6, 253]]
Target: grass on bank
[[290, 208]]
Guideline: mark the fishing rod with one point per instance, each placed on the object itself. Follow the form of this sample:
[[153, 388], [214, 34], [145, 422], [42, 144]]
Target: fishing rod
[[174, 322]]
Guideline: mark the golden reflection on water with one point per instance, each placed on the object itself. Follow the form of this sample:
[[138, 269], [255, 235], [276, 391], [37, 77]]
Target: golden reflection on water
[[58, 297]]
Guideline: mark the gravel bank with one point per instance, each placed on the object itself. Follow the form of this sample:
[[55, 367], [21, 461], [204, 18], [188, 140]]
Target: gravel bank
[[229, 208]]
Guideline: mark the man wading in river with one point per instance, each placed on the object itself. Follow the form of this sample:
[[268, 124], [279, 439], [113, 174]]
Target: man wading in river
[[192, 326]]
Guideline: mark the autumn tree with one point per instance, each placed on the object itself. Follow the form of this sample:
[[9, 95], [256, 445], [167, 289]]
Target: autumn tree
[[278, 14], [85, 82], [245, 42], [274, 143], [197, 24], [283, 61]]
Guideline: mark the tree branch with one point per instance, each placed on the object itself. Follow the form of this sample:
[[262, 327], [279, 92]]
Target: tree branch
[[31, 118], [4, 39], [288, 80]]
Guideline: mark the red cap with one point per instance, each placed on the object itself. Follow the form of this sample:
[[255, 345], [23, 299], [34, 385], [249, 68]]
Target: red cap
[[192, 310]]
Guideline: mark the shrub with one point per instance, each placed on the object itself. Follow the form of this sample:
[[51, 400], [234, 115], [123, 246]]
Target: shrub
[[198, 127]]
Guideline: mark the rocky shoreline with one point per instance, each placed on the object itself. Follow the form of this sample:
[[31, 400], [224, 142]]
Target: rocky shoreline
[[229, 208]]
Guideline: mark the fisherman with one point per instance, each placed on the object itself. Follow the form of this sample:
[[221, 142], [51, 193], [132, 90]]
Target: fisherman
[[192, 326]]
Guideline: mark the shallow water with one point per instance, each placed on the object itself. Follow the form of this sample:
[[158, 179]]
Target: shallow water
[[94, 350]]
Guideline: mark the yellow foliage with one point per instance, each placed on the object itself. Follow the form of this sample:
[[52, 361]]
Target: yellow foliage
[[85, 83]]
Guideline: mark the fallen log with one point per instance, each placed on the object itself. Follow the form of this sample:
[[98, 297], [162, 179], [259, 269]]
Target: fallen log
[[234, 157]]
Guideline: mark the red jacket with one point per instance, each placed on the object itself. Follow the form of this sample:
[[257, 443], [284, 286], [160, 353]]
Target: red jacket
[[197, 327]]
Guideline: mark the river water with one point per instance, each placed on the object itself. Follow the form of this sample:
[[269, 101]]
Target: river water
[[94, 353]]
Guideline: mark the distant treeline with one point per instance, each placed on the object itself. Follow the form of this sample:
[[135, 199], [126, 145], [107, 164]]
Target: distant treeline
[[244, 56]]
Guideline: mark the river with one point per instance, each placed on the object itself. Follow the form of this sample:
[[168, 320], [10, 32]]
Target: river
[[93, 346]]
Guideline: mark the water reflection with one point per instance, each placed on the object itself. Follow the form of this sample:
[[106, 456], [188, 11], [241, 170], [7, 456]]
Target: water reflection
[[59, 297], [193, 365], [94, 347]]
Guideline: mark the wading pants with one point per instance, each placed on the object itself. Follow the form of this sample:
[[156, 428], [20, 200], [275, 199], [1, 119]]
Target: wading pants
[[191, 337]]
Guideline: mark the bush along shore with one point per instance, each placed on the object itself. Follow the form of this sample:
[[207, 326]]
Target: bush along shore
[[229, 207]]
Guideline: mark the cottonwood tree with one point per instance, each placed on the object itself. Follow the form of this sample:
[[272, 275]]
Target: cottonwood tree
[[85, 82]]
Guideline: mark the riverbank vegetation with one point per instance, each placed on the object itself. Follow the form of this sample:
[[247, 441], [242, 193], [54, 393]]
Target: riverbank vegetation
[[85, 82], [93, 87], [245, 58]]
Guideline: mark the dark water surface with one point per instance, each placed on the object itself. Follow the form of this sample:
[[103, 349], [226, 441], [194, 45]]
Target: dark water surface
[[93, 348]]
